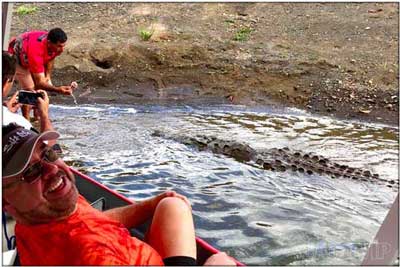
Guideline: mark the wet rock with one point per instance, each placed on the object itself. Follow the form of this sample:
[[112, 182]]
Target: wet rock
[[226, 150]]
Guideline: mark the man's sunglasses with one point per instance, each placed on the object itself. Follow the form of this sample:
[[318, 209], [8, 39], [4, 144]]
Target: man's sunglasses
[[34, 171]]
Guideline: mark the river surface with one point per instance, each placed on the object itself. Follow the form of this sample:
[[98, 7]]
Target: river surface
[[257, 216]]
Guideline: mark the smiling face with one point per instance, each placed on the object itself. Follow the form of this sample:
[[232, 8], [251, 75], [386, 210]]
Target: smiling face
[[53, 196]]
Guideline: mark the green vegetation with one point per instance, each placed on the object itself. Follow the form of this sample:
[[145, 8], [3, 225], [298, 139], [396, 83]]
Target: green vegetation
[[243, 34], [145, 35], [25, 10]]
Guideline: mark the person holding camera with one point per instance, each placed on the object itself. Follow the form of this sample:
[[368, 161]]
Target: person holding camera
[[35, 52], [11, 106]]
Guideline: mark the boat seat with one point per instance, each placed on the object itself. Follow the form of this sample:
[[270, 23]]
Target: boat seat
[[99, 204]]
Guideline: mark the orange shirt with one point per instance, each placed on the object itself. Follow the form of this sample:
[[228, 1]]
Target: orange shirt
[[87, 237]]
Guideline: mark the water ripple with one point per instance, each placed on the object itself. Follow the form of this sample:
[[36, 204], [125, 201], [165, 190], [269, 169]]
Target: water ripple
[[257, 216]]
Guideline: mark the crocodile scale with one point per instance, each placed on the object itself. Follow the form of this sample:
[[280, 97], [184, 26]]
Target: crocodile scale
[[279, 159]]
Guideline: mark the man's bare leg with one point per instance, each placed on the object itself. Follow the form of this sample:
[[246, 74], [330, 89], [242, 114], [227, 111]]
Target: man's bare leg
[[25, 81], [172, 230]]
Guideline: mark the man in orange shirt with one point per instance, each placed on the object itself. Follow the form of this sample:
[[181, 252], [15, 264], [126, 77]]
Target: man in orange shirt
[[56, 226]]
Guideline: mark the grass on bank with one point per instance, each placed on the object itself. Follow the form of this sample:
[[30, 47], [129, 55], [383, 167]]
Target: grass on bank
[[145, 34], [243, 34], [25, 10]]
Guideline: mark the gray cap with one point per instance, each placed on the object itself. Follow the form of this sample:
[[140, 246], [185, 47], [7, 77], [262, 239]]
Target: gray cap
[[18, 147]]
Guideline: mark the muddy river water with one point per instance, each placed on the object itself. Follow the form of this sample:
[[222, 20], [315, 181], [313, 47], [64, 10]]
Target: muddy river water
[[260, 217]]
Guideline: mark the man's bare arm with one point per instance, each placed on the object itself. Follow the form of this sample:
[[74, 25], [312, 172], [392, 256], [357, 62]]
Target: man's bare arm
[[42, 83], [49, 69], [135, 214], [43, 110], [132, 215]]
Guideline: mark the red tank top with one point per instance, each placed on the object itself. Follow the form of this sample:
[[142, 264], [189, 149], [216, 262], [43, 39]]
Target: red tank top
[[31, 50], [87, 237]]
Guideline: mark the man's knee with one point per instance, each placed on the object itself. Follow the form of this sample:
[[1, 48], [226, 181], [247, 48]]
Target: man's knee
[[173, 204]]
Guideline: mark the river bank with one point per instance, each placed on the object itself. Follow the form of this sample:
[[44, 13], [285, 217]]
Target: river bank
[[327, 58]]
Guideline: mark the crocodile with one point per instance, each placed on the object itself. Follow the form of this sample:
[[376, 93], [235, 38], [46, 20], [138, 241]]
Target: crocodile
[[278, 159]]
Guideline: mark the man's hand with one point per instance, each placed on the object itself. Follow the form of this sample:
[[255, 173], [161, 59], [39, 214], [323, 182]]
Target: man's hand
[[43, 105], [13, 104], [65, 90]]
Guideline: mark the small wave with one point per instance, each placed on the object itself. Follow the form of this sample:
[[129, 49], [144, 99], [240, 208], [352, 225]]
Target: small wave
[[124, 110], [77, 107], [296, 111], [96, 109]]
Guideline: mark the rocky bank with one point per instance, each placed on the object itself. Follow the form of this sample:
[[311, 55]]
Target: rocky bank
[[327, 58]]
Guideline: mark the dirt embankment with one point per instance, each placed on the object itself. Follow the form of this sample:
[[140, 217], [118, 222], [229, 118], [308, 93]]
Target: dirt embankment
[[328, 58]]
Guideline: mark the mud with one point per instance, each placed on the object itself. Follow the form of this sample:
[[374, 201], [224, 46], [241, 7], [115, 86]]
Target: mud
[[338, 59]]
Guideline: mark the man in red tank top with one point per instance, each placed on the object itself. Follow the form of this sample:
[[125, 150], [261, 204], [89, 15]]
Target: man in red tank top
[[56, 226], [36, 52]]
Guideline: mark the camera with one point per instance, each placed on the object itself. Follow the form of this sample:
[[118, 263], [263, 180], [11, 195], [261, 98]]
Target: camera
[[28, 97]]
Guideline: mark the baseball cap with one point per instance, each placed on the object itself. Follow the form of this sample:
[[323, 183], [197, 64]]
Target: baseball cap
[[18, 147]]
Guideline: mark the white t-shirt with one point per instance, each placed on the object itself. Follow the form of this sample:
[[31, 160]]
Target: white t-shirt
[[9, 117]]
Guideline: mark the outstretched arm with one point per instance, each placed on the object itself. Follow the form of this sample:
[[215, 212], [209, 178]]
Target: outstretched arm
[[135, 214], [49, 70], [42, 83]]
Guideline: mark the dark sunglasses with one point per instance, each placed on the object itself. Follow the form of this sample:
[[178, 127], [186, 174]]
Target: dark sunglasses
[[33, 172]]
